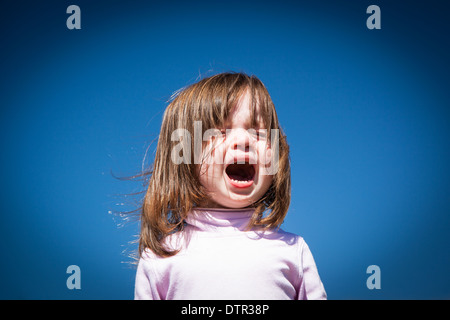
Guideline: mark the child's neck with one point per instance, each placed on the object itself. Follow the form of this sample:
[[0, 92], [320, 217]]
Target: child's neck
[[220, 219]]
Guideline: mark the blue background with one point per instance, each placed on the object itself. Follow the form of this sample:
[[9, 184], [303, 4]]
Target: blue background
[[366, 113]]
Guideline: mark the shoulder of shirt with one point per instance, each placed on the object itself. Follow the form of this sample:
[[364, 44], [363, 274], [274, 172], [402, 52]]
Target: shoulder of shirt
[[172, 242], [147, 254], [287, 237], [287, 234]]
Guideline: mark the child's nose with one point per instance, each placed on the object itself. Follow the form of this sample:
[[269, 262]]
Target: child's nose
[[241, 140]]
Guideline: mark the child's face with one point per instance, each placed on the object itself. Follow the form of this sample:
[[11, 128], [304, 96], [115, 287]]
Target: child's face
[[239, 178]]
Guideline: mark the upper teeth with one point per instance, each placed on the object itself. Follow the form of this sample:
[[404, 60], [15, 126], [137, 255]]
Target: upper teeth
[[240, 181]]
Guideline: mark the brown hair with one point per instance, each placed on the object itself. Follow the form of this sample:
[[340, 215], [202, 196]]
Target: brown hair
[[174, 189]]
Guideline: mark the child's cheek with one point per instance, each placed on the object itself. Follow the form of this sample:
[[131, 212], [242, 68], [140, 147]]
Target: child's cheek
[[213, 151]]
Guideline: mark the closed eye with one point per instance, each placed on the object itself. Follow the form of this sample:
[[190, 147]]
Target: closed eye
[[260, 134]]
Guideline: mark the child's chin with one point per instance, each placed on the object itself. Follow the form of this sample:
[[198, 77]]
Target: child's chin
[[238, 202]]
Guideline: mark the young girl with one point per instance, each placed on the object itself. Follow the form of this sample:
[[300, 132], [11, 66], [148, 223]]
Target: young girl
[[218, 192]]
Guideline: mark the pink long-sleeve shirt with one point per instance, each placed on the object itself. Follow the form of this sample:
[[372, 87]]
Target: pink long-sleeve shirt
[[219, 260]]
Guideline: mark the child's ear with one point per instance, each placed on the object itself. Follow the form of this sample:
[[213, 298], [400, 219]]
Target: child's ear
[[266, 157], [270, 162]]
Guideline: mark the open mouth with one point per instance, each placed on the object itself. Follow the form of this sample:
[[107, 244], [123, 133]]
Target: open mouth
[[241, 175]]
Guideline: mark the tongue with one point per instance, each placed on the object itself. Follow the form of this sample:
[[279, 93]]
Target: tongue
[[238, 177]]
